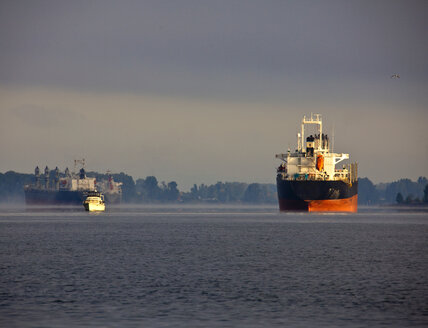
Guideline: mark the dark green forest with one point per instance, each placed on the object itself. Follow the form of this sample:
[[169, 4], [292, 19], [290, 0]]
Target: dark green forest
[[150, 190]]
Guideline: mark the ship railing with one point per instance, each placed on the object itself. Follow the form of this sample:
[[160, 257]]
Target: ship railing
[[304, 176], [353, 172], [348, 177]]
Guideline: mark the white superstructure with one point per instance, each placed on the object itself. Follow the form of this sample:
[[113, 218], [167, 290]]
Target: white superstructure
[[77, 182], [312, 159], [109, 185], [94, 202]]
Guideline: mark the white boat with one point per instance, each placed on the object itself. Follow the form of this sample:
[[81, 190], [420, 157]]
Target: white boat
[[94, 202]]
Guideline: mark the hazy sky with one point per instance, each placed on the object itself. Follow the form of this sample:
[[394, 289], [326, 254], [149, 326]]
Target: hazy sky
[[207, 91]]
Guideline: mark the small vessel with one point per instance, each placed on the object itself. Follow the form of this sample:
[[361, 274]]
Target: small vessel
[[308, 180], [94, 202]]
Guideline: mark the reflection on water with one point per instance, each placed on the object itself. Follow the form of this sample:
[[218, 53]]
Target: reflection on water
[[229, 266]]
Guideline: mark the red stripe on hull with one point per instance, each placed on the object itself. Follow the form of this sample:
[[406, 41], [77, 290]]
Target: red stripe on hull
[[325, 205]]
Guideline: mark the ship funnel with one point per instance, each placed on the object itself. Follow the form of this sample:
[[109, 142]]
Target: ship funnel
[[56, 178], [47, 177], [310, 145], [37, 174]]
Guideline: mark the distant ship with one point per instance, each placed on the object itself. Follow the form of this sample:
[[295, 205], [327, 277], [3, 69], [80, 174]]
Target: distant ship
[[111, 189], [69, 188], [308, 180]]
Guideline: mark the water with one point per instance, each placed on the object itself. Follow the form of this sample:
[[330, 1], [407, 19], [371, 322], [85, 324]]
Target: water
[[212, 267]]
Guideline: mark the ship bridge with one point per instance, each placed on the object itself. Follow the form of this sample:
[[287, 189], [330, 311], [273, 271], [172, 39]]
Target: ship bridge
[[313, 159]]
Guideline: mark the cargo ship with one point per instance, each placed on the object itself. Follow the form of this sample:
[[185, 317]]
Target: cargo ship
[[69, 188], [111, 189], [308, 180]]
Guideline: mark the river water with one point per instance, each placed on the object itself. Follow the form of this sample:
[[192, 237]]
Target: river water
[[192, 266]]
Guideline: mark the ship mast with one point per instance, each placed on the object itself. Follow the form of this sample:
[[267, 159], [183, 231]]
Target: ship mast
[[314, 119], [78, 165]]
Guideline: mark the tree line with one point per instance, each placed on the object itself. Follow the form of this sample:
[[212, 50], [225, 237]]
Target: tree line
[[403, 191], [150, 190]]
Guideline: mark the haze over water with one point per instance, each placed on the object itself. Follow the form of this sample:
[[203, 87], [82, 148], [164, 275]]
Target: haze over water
[[212, 267]]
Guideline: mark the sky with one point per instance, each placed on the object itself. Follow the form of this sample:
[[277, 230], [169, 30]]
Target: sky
[[207, 91]]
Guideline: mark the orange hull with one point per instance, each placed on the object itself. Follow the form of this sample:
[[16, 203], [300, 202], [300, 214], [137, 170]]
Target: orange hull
[[325, 205], [334, 205]]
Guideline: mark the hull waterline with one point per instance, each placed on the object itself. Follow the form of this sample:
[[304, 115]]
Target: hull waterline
[[327, 205]]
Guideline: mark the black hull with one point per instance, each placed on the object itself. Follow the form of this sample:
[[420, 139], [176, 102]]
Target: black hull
[[317, 195], [53, 197], [113, 198], [63, 197]]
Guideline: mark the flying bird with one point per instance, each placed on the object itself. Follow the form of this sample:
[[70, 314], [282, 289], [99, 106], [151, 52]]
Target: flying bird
[[395, 76]]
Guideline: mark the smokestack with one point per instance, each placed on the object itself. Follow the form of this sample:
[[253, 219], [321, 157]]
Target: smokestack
[[57, 178], [47, 177], [37, 174]]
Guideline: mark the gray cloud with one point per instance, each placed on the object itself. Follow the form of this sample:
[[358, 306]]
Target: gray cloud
[[250, 68], [204, 47]]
